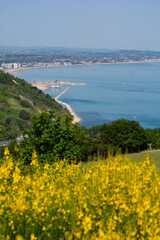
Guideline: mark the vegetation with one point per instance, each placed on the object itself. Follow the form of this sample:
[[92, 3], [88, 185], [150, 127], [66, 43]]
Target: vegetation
[[45, 190], [120, 134], [112, 199], [47, 193], [153, 137], [54, 137], [154, 155], [19, 101]]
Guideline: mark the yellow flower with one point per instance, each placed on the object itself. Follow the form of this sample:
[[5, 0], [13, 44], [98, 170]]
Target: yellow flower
[[16, 149], [33, 237], [88, 202], [6, 151], [34, 159], [19, 237], [43, 228]]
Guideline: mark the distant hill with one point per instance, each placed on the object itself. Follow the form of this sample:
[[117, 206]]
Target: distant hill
[[66, 51], [19, 101]]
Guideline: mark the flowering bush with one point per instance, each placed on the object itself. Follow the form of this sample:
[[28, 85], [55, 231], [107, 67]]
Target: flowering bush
[[112, 199]]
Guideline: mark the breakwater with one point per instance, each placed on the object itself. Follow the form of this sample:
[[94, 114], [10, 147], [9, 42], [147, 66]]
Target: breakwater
[[44, 85], [76, 118], [62, 93]]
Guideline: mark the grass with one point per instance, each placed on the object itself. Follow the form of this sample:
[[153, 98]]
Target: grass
[[153, 154], [15, 104]]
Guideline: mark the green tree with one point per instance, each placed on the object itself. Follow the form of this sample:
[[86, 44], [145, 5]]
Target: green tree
[[153, 137], [54, 137], [23, 114], [120, 134], [124, 134]]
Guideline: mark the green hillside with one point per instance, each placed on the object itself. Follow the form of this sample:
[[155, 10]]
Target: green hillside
[[19, 101]]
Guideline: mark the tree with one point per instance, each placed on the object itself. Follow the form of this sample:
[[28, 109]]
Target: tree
[[120, 134], [124, 134], [153, 136], [24, 115], [54, 137]]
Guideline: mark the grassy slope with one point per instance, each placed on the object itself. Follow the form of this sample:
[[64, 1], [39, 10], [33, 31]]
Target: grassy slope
[[153, 154], [17, 95]]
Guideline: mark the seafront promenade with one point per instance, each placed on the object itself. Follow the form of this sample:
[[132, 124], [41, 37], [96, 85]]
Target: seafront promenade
[[76, 118]]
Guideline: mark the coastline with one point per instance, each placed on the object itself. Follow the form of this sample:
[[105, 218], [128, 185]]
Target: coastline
[[19, 70], [67, 105], [76, 118]]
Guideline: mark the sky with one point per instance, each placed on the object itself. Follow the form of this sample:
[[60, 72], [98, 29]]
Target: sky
[[110, 24]]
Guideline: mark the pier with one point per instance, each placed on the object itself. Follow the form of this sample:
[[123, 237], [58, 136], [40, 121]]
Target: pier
[[45, 85], [62, 93], [76, 118]]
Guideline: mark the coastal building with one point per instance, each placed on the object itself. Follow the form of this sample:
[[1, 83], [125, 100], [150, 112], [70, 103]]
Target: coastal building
[[9, 66]]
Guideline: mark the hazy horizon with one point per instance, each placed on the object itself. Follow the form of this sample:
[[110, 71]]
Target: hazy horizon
[[83, 48], [103, 24]]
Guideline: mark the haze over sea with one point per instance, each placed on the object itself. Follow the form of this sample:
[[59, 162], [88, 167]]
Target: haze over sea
[[113, 91]]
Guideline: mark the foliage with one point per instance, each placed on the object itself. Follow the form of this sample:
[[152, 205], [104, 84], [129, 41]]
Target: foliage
[[16, 95], [153, 136], [120, 134], [112, 199], [25, 103], [24, 115], [54, 137]]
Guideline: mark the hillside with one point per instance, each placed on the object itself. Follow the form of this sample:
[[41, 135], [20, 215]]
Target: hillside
[[19, 101]]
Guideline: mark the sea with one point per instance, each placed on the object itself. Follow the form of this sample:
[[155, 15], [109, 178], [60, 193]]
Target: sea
[[112, 91]]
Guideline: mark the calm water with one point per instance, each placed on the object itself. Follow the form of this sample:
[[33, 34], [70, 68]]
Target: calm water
[[113, 91]]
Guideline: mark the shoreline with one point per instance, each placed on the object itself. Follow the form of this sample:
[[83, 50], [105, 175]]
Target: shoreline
[[76, 118], [74, 65]]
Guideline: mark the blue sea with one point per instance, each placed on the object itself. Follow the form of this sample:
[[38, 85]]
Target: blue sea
[[113, 91]]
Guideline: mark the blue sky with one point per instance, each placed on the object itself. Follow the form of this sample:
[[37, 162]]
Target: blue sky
[[111, 24]]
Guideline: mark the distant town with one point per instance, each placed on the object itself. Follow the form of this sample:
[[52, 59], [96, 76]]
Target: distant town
[[19, 59]]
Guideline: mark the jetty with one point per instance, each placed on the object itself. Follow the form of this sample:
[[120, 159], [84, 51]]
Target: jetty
[[45, 85], [76, 118], [62, 93]]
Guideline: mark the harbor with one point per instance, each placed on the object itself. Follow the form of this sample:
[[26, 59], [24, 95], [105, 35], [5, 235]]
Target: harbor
[[45, 85]]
